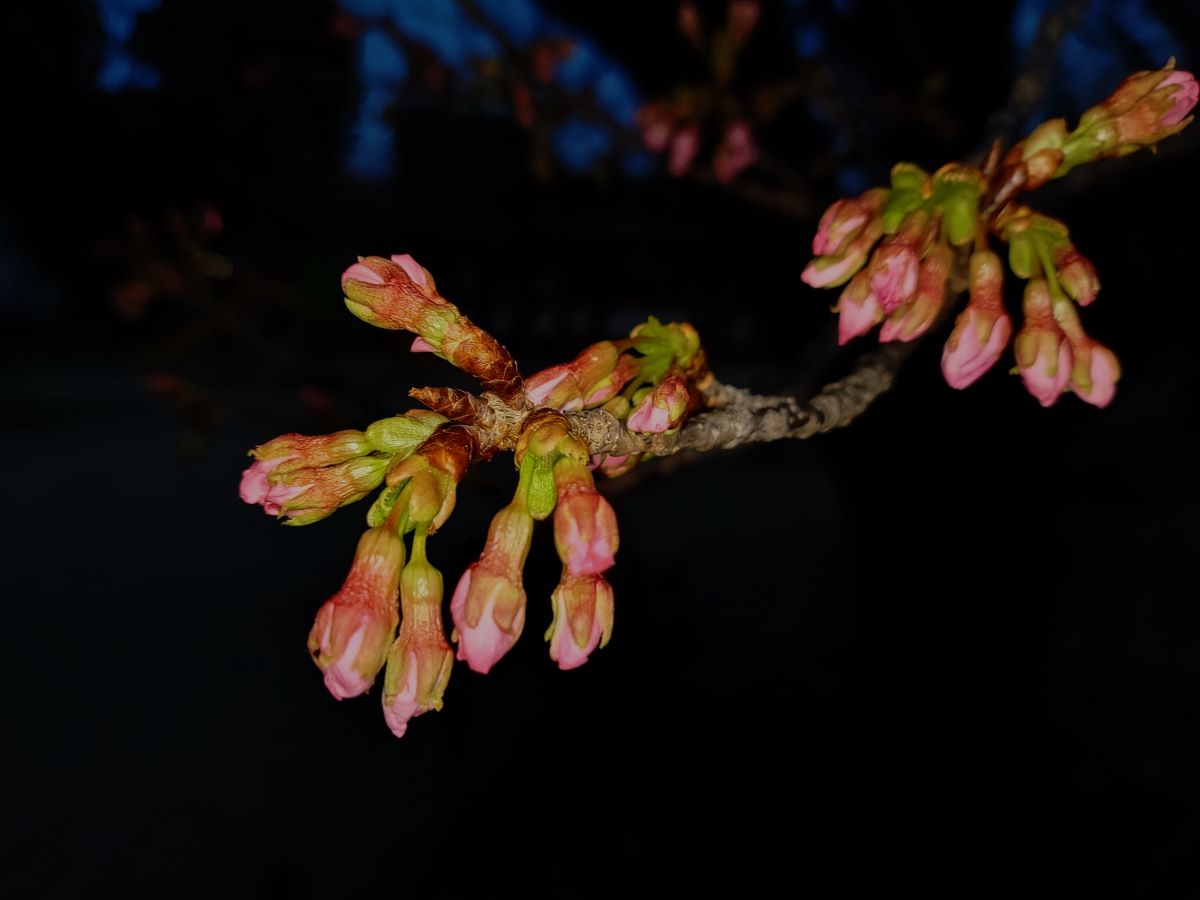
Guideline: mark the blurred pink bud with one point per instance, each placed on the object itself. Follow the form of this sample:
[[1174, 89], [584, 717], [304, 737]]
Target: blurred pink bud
[[662, 409], [585, 526], [689, 21], [858, 309], [743, 18], [583, 619], [684, 147], [736, 152], [420, 345], [350, 637], [656, 121]]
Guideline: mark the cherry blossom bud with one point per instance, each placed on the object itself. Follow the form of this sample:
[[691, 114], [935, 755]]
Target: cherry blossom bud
[[1076, 273], [289, 452], [304, 496], [583, 619], [845, 220], [1094, 377], [1146, 108], [1043, 353], [858, 309], [420, 660], [350, 637], [488, 606], [914, 318], [831, 271], [896, 264], [585, 527], [982, 330], [662, 409]]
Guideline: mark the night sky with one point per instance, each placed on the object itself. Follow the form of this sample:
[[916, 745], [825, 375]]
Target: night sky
[[951, 651]]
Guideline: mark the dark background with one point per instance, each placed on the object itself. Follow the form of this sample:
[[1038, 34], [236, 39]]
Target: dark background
[[952, 651]]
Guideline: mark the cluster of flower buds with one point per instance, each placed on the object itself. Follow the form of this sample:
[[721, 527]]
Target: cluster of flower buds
[[303, 479], [675, 125], [646, 380], [894, 248], [388, 614]]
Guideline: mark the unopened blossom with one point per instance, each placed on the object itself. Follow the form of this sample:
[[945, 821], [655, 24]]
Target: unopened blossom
[[350, 638], [1076, 273], [1097, 384], [858, 309], [488, 606], [662, 409], [983, 329], [304, 496], [896, 264], [1043, 353], [420, 659], [1146, 108], [585, 526], [845, 220], [831, 271], [583, 619], [914, 318]]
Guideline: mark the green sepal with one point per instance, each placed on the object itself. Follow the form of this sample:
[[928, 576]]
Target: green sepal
[[899, 205], [383, 505], [399, 434], [1022, 255], [537, 479], [909, 177]]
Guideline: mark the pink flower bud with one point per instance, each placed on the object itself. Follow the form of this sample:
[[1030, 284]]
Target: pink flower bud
[[979, 337], [1095, 374], [684, 147], [305, 496], [831, 271], [1076, 273], [913, 319], [350, 637], [556, 387], [289, 452], [585, 527], [736, 152], [844, 221], [397, 294], [858, 309], [656, 121], [1043, 353], [420, 660], [488, 607], [1184, 94], [583, 619], [662, 409], [894, 270]]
